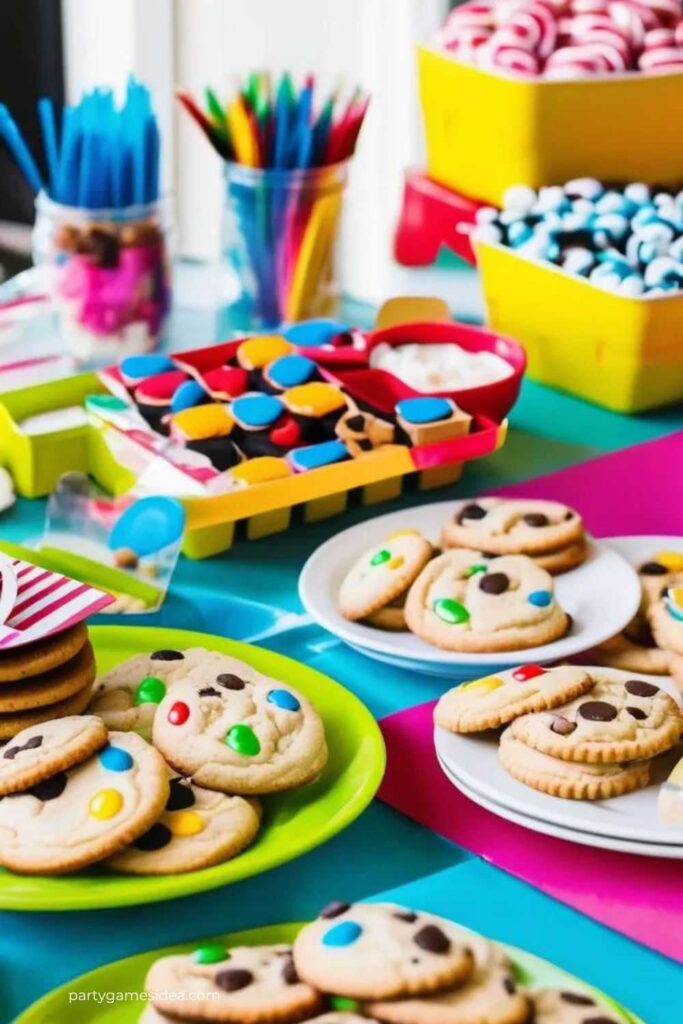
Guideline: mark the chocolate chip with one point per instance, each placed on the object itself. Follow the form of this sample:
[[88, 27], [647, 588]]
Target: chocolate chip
[[639, 688], [598, 711], [409, 916], [33, 743], [167, 656], [562, 726], [598, 1020], [653, 569], [576, 999], [432, 939], [494, 583], [180, 797], [233, 979], [510, 985], [664, 593], [536, 519], [568, 515], [365, 444], [50, 789], [356, 422], [471, 511], [637, 713], [289, 975], [155, 838], [12, 753], [334, 909], [209, 691], [489, 554], [229, 681]]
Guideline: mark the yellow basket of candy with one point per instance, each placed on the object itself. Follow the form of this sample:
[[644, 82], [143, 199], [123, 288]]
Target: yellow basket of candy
[[511, 116]]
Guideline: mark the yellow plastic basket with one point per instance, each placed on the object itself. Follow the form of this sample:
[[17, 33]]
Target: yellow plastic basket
[[623, 353], [488, 131]]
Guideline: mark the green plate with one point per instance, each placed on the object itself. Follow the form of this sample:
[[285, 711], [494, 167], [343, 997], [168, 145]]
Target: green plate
[[127, 978], [294, 822]]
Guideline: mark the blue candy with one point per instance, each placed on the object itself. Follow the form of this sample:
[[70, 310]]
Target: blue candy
[[257, 410], [139, 367], [424, 410], [540, 598], [315, 455], [343, 934], [115, 759], [283, 699], [289, 371], [189, 394]]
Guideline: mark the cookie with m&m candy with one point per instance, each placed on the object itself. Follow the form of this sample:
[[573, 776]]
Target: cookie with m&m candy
[[507, 607], [375, 586], [238, 731], [411, 952], [666, 616], [48, 748], [198, 828], [80, 816], [128, 695], [241, 985], [495, 700]]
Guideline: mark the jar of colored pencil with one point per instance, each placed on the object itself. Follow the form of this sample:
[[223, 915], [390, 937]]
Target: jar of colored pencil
[[109, 275], [280, 230]]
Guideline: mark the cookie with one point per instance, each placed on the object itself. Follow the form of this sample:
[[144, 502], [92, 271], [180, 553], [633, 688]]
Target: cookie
[[391, 618], [127, 697], [569, 779], [245, 985], [43, 655], [621, 719], [12, 724], [563, 559], [383, 573], [239, 731], [555, 1006], [463, 602], [676, 667], [50, 687], [81, 816], [44, 750], [621, 652], [670, 799], [381, 951], [199, 828], [338, 1017], [513, 526], [666, 617], [491, 996]]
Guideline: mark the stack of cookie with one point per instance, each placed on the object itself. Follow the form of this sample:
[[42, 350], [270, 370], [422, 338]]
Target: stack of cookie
[[577, 732], [364, 962], [223, 734], [46, 679], [461, 600]]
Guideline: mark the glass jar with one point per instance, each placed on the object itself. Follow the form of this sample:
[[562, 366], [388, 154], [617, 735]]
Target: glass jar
[[280, 230], [109, 276]]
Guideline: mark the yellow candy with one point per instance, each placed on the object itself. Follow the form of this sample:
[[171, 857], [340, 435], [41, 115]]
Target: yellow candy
[[671, 560], [184, 823], [105, 804], [403, 533], [203, 421], [262, 469], [676, 596], [397, 562], [486, 685], [257, 352], [314, 399]]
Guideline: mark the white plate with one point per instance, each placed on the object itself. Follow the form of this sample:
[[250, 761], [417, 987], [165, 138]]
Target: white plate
[[637, 550], [573, 835], [602, 596], [473, 759]]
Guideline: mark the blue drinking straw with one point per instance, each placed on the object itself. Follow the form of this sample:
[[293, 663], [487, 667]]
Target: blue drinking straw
[[47, 122], [20, 151]]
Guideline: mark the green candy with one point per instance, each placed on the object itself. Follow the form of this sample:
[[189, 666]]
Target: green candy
[[342, 1004], [450, 611], [243, 740], [472, 570], [211, 954], [108, 402], [381, 557], [150, 691]]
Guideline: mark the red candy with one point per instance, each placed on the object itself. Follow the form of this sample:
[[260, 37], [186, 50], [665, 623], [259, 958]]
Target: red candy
[[526, 672], [286, 434], [179, 713]]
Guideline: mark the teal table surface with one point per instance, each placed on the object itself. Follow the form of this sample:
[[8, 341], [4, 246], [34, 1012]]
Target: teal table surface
[[251, 593]]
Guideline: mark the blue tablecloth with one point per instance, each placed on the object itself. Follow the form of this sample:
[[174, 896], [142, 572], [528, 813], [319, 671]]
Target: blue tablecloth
[[250, 593]]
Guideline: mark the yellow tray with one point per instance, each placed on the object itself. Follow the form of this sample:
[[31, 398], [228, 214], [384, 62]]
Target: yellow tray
[[623, 353], [488, 131]]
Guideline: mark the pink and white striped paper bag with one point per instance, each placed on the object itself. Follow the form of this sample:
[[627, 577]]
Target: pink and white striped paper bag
[[36, 602]]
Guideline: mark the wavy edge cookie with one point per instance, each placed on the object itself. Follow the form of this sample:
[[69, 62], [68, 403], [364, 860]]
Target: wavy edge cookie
[[42, 655], [37, 861], [419, 617], [51, 687], [570, 780], [350, 604], [560, 745], [622, 653], [89, 734], [10, 725], [565, 533], [456, 714]]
